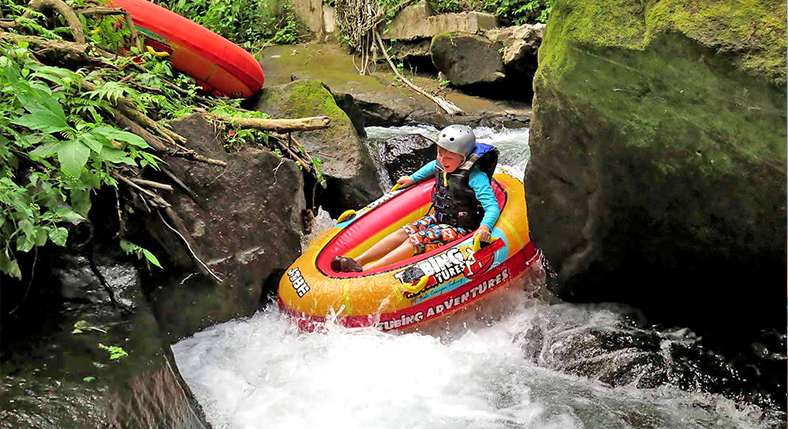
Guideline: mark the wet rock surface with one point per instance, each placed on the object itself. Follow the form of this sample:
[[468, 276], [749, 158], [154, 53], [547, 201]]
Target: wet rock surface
[[57, 370], [402, 156], [614, 347], [244, 222]]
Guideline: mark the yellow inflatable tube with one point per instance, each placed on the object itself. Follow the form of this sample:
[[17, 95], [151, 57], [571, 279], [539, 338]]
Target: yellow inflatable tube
[[414, 291]]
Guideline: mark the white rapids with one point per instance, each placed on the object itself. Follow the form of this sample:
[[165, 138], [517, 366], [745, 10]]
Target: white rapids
[[262, 373]]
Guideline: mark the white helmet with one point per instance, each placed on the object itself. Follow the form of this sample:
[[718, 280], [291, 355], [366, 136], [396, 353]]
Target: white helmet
[[458, 139]]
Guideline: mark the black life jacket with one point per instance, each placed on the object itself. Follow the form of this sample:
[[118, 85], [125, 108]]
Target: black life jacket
[[453, 198]]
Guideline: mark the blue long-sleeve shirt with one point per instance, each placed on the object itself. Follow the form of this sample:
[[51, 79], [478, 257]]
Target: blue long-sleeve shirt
[[480, 184]]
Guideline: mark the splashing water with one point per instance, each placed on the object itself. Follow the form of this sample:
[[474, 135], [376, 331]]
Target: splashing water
[[538, 367], [261, 372]]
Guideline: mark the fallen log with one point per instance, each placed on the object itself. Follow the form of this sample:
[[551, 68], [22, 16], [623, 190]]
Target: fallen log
[[60, 51], [279, 125]]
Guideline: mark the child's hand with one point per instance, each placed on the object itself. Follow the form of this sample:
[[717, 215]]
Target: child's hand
[[484, 234], [404, 181]]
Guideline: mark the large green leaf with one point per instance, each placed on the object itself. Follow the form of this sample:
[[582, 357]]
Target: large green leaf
[[24, 243], [115, 156], [41, 236], [92, 142], [26, 226], [120, 135], [73, 155], [46, 113], [80, 201], [9, 265], [150, 257], [43, 120], [45, 150], [58, 235]]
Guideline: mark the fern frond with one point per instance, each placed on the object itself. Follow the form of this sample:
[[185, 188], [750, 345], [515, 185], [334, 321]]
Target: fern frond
[[110, 91], [36, 28]]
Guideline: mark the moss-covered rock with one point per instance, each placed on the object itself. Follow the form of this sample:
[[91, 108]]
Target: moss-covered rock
[[352, 180], [658, 172]]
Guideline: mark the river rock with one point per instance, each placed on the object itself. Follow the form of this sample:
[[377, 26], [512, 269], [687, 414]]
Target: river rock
[[57, 369], [657, 170], [244, 222], [520, 48], [350, 172], [611, 344], [519, 43], [467, 59], [403, 155]]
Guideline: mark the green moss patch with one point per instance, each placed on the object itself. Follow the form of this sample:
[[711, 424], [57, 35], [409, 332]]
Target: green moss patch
[[755, 31]]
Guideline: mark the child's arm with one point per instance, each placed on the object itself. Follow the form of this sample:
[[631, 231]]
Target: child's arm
[[480, 184], [424, 173]]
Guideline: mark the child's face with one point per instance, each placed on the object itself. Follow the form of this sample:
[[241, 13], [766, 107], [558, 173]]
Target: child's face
[[449, 160]]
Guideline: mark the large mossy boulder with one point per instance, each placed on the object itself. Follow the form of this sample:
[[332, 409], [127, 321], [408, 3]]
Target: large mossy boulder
[[350, 172], [658, 169]]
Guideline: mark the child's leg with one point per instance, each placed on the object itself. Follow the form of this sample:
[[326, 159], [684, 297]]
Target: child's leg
[[391, 242], [402, 252]]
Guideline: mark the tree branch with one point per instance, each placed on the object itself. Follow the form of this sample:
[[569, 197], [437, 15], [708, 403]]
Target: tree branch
[[151, 184], [63, 9], [448, 106]]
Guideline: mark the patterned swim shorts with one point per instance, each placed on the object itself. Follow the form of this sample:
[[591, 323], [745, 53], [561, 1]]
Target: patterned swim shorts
[[427, 234]]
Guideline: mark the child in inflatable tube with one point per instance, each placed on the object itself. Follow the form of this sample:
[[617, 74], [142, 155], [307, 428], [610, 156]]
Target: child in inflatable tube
[[462, 198]]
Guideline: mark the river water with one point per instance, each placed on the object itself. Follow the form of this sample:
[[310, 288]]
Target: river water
[[539, 366]]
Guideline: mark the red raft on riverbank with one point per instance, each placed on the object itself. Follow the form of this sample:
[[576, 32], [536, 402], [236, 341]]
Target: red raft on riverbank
[[215, 62], [423, 288]]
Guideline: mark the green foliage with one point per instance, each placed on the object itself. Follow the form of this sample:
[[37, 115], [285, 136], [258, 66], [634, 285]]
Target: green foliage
[[57, 141], [132, 249], [518, 12], [54, 149], [446, 6], [249, 23], [236, 138], [508, 12], [321, 179], [115, 352]]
